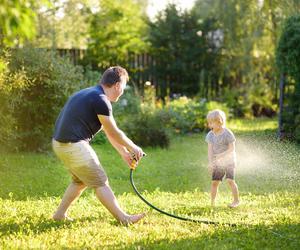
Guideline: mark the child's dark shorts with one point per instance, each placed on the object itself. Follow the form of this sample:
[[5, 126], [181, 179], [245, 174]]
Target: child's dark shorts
[[218, 173]]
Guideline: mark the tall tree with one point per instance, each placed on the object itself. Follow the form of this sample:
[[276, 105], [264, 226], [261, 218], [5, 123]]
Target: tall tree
[[178, 48], [17, 21], [250, 29], [118, 29], [63, 24]]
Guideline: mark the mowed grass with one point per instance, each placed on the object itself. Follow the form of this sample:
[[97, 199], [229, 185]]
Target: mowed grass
[[175, 180]]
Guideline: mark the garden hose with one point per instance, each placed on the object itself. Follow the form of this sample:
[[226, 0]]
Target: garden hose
[[133, 166]]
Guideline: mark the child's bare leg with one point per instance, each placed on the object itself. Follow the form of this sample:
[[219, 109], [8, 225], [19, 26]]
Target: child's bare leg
[[214, 191], [108, 199], [235, 192], [72, 192]]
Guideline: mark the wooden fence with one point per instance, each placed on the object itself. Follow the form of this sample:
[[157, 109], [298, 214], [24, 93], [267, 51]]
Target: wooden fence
[[142, 68]]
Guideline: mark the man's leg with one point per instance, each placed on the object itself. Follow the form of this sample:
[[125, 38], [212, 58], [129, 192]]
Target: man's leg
[[108, 199], [72, 192]]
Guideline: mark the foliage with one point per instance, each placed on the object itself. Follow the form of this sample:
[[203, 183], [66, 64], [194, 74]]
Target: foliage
[[128, 105], [175, 180], [63, 24], [288, 50], [217, 105], [288, 60], [17, 21], [90, 77], [100, 139], [115, 31], [11, 87], [236, 101], [246, 33], [179, 51], [146, 123], [186, 115], [50, 80], [145, 129]]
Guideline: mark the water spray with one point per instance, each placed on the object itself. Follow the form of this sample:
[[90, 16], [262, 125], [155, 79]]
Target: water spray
[[199, 221]]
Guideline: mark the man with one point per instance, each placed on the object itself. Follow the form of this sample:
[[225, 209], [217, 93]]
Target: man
[[86, 113]]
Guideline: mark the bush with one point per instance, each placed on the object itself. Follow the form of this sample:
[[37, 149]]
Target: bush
[[99, 138], [185, 115], [236, 100], [50, 80], [145, 129], [128, 105], [217, 105], [11, 86], [90, 77]]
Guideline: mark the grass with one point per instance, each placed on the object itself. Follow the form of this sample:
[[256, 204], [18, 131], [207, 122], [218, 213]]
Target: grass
[[175, 180]]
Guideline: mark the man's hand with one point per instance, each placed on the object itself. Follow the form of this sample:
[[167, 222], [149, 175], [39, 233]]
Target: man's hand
[[129, 158], [126, 156], [137, 153]]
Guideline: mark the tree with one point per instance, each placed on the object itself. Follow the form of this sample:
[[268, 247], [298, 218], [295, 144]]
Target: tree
[[117, 30], [178, 49], [288, 61], [17, 21], [247, 77], [63, 24]]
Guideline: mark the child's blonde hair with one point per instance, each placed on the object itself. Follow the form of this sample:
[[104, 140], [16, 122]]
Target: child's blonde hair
[[217, 115]]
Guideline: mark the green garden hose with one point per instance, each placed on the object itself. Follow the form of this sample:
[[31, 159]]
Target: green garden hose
[[173, 215], [187, 218]]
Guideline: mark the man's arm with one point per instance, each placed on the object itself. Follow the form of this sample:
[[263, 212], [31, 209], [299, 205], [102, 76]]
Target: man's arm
[[125, 154], [117, 137], [120, 148]]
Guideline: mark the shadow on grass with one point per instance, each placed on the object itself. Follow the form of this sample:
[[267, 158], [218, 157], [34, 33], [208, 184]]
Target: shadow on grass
[[31, 225], [245, 237]]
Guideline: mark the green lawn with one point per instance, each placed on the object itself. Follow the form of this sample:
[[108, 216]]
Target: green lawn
[[175, 180]]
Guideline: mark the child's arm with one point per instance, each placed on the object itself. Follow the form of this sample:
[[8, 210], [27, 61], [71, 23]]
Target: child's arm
[[231, 148], [210, 157]]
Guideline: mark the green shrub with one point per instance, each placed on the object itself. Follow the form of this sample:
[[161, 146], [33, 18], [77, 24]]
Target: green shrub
[[236, 101], [51, 80], [100, 138], [10, 95], [217, 105], [145, 129], [185, 115], [128, 105], [90, 77]]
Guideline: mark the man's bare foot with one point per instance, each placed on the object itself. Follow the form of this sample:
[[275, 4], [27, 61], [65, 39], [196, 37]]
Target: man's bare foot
[[61, 218], [131, 219], [234, 204]]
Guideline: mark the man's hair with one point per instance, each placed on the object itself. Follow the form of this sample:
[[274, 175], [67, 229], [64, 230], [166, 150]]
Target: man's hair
[[218, 116], [113, 75]]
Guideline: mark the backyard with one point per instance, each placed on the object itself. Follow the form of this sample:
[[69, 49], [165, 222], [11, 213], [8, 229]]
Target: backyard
[[174, 179]]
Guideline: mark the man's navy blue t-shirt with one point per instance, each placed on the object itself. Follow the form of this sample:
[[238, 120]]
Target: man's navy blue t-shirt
[[78, 119]]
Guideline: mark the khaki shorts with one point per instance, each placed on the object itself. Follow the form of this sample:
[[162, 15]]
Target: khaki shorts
[[82, 162]]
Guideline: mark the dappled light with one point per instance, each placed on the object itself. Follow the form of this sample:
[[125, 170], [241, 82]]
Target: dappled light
[[153, 124]]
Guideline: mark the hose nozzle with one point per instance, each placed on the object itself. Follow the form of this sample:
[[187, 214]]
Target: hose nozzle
[[134, 162]]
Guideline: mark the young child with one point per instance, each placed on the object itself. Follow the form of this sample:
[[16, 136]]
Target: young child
[[221, 155]]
